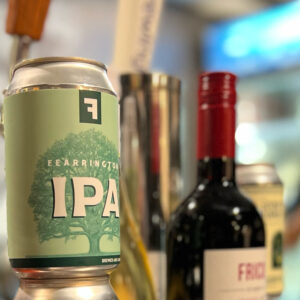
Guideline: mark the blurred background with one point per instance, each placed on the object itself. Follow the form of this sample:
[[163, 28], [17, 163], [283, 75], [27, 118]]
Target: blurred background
[[259, 40]]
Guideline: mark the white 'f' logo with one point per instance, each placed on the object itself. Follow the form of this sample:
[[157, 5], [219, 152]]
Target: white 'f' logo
[[93, 108]]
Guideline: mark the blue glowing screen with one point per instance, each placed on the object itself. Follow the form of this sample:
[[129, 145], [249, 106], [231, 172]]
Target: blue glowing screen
[[266, 41]]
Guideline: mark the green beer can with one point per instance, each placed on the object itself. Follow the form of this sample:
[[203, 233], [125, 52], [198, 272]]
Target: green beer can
[[62, 169]]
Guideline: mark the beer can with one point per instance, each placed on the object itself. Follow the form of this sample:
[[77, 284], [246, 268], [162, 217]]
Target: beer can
[[62, 169], [262, 185]]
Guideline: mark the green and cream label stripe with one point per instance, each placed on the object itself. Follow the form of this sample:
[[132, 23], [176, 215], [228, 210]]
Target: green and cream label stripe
[[62, 170]]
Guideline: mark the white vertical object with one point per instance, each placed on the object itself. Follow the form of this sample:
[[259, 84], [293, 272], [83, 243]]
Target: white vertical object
[[136, 32]]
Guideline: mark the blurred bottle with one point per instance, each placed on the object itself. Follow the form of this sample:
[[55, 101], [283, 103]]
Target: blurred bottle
[[261, 183], [215, 241], [150, 159], [132, 279]]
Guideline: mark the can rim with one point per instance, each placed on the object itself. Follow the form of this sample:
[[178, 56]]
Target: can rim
[[257, 173], [156, 79], [55, 59]]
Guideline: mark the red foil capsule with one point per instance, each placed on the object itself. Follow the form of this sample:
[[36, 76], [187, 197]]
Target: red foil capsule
[[216, 115]]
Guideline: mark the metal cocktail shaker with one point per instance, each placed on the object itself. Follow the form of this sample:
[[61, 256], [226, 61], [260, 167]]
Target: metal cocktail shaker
[[151, 159]]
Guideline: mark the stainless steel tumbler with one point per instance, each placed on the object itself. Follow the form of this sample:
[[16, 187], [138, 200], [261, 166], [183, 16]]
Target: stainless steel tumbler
[[150, 158]]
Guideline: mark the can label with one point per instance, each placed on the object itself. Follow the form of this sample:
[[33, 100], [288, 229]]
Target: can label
[[62, 174], [268, 199]]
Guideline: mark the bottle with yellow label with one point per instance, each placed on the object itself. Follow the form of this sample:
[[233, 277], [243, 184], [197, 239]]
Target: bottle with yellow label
[[261, 183], [133, 278]]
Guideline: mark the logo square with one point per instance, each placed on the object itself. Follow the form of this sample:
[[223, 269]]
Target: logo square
[[89, 107]]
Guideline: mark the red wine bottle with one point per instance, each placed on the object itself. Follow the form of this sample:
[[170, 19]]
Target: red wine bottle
[[215, 239]]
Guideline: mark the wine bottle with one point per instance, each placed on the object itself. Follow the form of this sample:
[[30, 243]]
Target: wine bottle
[[132, 279], [216, 240]]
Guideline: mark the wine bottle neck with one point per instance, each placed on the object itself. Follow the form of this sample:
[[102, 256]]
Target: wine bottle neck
[[216, 128], [216, 170], [216, 115]]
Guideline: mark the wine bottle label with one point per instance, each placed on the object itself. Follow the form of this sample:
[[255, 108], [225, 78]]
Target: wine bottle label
[[62, 173], [236, 274], [268, 199]]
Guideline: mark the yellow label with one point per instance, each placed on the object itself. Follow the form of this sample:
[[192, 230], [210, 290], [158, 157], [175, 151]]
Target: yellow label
[[268, 199]]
